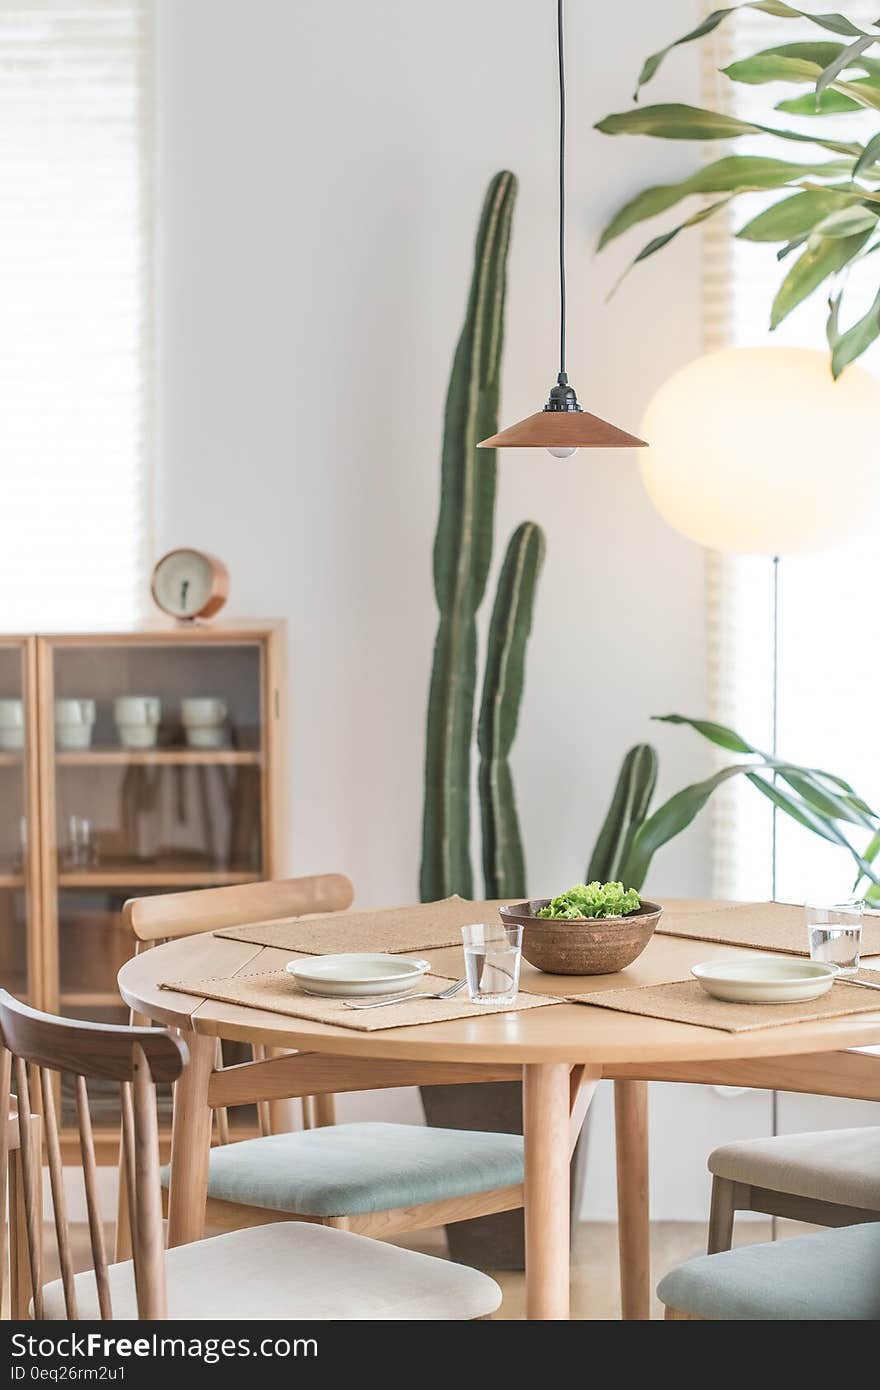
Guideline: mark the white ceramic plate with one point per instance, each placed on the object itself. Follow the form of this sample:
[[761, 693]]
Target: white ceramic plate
[[356, 972], [765, 979]]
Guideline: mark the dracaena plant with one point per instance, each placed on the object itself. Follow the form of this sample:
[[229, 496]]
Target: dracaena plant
[[826, 218], [818, 801]]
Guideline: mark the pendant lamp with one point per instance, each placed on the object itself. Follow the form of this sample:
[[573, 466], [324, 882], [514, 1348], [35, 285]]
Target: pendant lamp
[[563, 426]]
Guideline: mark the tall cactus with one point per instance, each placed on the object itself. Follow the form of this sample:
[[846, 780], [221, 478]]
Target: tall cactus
[[463, 552], [503, 861], [628, 809]]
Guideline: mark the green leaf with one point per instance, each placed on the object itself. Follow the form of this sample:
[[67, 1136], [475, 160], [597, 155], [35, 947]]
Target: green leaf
[[733, 174], [825, 802], [869, 154], [794, 216], [658, 242], [832, 23], [846, 222], [772, 66], [830, 103], [817, 824], [791, 808], [810, 269], [847, 58], [847, 346], [719, 734], [869, 854], [848, 807], [677, 121], [669, 820]]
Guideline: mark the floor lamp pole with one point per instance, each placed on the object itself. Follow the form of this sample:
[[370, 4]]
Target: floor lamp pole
[[774, 749]]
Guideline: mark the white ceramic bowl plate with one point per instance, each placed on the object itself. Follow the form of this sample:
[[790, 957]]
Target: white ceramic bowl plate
[[765, 979], [357, 973]]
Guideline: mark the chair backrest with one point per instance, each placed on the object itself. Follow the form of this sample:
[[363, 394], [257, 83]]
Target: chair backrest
[[37, 1046], [167, 916]]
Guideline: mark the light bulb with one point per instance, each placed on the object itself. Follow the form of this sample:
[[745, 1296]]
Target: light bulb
[[562, 453]]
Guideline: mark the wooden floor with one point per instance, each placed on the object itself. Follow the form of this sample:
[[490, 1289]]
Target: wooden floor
[[595, 1291], [594, 1271]]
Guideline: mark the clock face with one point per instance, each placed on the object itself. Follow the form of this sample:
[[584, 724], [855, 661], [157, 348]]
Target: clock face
[[189, 584]]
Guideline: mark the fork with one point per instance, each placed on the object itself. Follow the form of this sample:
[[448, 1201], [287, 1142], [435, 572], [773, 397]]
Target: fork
[[446, 993]]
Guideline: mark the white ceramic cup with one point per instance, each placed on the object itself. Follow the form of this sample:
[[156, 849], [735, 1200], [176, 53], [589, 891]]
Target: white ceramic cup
[[203, 719], [74, 723], [137, 718], [11, 724]]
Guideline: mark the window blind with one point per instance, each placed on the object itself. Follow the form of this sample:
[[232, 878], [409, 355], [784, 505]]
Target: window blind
[[75, 323], [829, 661]]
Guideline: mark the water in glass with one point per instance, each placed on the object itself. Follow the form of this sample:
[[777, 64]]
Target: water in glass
[[492, 956], [835, 934]]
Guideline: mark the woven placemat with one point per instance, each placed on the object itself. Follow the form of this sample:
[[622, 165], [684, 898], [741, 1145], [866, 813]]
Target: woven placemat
[[686, 1001], [760, 926], [424, 927], [276, 992]]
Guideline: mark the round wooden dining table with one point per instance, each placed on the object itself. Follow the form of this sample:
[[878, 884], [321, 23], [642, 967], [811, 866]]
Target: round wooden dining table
[[560, 1051]]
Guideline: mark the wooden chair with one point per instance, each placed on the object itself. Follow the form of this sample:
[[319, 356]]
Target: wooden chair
[[280, 1270], [829, 1277], [829, 1178], [336, 1176]]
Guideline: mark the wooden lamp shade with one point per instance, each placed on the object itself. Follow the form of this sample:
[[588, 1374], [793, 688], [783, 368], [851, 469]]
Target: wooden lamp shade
[[562, 429]]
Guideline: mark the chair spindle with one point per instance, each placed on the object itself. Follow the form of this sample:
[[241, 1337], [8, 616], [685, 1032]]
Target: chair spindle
[[32, 1177], [59, 1201], [90, 1178]]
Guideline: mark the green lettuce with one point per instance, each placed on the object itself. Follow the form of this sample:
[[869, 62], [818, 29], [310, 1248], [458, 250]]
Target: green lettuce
[[593, 900]]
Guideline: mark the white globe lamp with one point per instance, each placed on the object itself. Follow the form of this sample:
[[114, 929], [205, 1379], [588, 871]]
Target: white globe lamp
[[759, 451]]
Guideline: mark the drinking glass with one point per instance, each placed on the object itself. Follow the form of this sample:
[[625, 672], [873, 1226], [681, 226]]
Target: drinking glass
[[80, 852], [492, 955], [835, 933]]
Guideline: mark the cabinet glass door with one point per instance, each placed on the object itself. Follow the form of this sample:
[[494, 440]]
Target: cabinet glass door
[[157, 754], [19, 886]]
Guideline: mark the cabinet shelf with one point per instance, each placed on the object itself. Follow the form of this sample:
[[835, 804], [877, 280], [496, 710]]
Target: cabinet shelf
[[138, 877], [11, 880], [159, 757], [8, 758], [92, 999]]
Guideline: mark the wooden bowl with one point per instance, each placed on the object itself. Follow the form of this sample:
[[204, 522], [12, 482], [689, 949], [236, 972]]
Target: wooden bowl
[[582, 945]]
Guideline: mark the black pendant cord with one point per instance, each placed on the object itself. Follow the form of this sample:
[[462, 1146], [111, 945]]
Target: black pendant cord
[[560, 47]]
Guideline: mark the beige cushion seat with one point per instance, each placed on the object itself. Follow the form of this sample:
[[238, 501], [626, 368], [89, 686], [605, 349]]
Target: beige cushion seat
[[295, 1270], [840, 1165]]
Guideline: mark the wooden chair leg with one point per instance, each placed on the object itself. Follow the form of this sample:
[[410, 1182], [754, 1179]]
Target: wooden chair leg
[[721, 1215], [678, 1316], [20, 1283], [122, 1244]]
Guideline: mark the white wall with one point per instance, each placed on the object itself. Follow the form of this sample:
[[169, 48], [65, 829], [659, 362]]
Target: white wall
[[321, 169]]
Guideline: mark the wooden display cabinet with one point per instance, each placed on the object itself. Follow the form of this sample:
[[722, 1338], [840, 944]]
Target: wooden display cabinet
[[84, 829]]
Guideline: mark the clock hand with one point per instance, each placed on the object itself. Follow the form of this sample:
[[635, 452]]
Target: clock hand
[[183, 591]]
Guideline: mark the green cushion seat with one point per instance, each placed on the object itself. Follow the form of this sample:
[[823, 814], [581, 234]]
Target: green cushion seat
[[830, 1277], [346, 1170]]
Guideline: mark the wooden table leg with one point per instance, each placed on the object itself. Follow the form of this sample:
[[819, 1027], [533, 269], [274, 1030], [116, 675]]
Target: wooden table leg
[[191, 1142], [546, 1132], [631, 1124]]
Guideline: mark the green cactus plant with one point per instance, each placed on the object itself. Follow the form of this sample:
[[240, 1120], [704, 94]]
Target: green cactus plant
[[628, 809], [463, 553], [503, 860]]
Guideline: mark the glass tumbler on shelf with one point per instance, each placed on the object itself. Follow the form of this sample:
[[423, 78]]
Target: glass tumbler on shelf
[[492, 955], [80, 851], [835, 933]]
